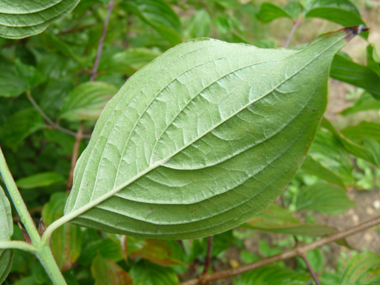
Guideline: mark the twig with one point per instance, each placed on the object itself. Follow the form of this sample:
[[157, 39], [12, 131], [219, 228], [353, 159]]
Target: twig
[[48, 120], [297, 251], [74, 157], [101, 41], [303, 256], [208, 256], [296, 24]]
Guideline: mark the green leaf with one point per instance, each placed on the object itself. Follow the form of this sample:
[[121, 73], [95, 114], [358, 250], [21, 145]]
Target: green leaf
[[278, 220], [269, 12], [19, 19], [87, 100], [314, 167], [16, 78], [368, 149], [329, 152], [363, 268], [342, 12], [6, 222], [146, 273], [19, 126], [345, 70], [198, 26], [106, 271], [105, 247], [40, 180], [160, 16], [129, 61], [270, 275], [178, 152], [362, 130], [66, 242], [373, 60], [366, 102], [324, 198]]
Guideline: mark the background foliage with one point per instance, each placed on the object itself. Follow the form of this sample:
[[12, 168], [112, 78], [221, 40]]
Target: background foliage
[[52, 70]]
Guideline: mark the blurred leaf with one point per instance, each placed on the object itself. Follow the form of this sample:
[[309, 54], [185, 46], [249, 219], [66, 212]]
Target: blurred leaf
[[86, 101], [66, 141], [220, 243], [268, 12], [199, 25], [66, 241], [342, 12], [314, 167], [369, 149], [156, 251], [345, 70], [362, 130], [106, 271], [270, 275], [266, 43], [6, 232], [363, 268], [278, 220], [315, 258], [19, 126], [146, 273], [129, 61], [20, 19], [40, 180], [248, 257], [52, 65], [223, 24], [324, 198], [329, 152], [160, 16], [294, 9], [366, 102], [107, 248], [373, 60], [16, 78]]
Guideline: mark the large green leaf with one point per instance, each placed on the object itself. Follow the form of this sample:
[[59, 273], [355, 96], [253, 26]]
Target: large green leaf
[[345, 70], [6, 222], [278, 220], [366, 102], [107, 272], [66, 242], [201, 139], [324, 198], [271, 275], [20, 19], [86, 101], [146, 273], [40, 180], [363, 268]]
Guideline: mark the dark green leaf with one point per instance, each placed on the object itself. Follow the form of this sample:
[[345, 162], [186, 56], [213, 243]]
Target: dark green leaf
[[19, 126], [345, 70], [40, 180], [86, 101], [373, 60], [366, 102], [363, 268], [6, 222], [324, 198], [270, 275], [107, 272], [146, 273], [67, 240], [268, 12]]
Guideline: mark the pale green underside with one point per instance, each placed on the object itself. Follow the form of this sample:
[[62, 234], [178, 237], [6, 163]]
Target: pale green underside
[[201, 139], [22, 18]]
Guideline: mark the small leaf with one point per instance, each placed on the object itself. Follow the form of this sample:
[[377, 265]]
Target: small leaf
[[314, 167], [342, 12], [199, 25], [19, 126], [40, 180], [160, 16], [106, 271], [197, 142], [366, 102], [6, 222], [146, 273], [324, 198], [345, 70], [86, 101], [363, 268], [19, 19], [67, 240], [269, 12], [278, 220], [270, 275]]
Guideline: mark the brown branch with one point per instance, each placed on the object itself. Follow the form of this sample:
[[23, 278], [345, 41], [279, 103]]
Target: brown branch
[[74, 157], [296, 24], [303, 256], [297, 251], [208, 259]]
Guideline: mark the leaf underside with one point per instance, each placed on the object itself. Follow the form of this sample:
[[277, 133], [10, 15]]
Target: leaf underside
[[201, 139]]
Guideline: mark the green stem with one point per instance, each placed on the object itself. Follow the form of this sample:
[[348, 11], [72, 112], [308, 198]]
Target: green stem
[[18, 245], [17, 200], [47, 260]]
